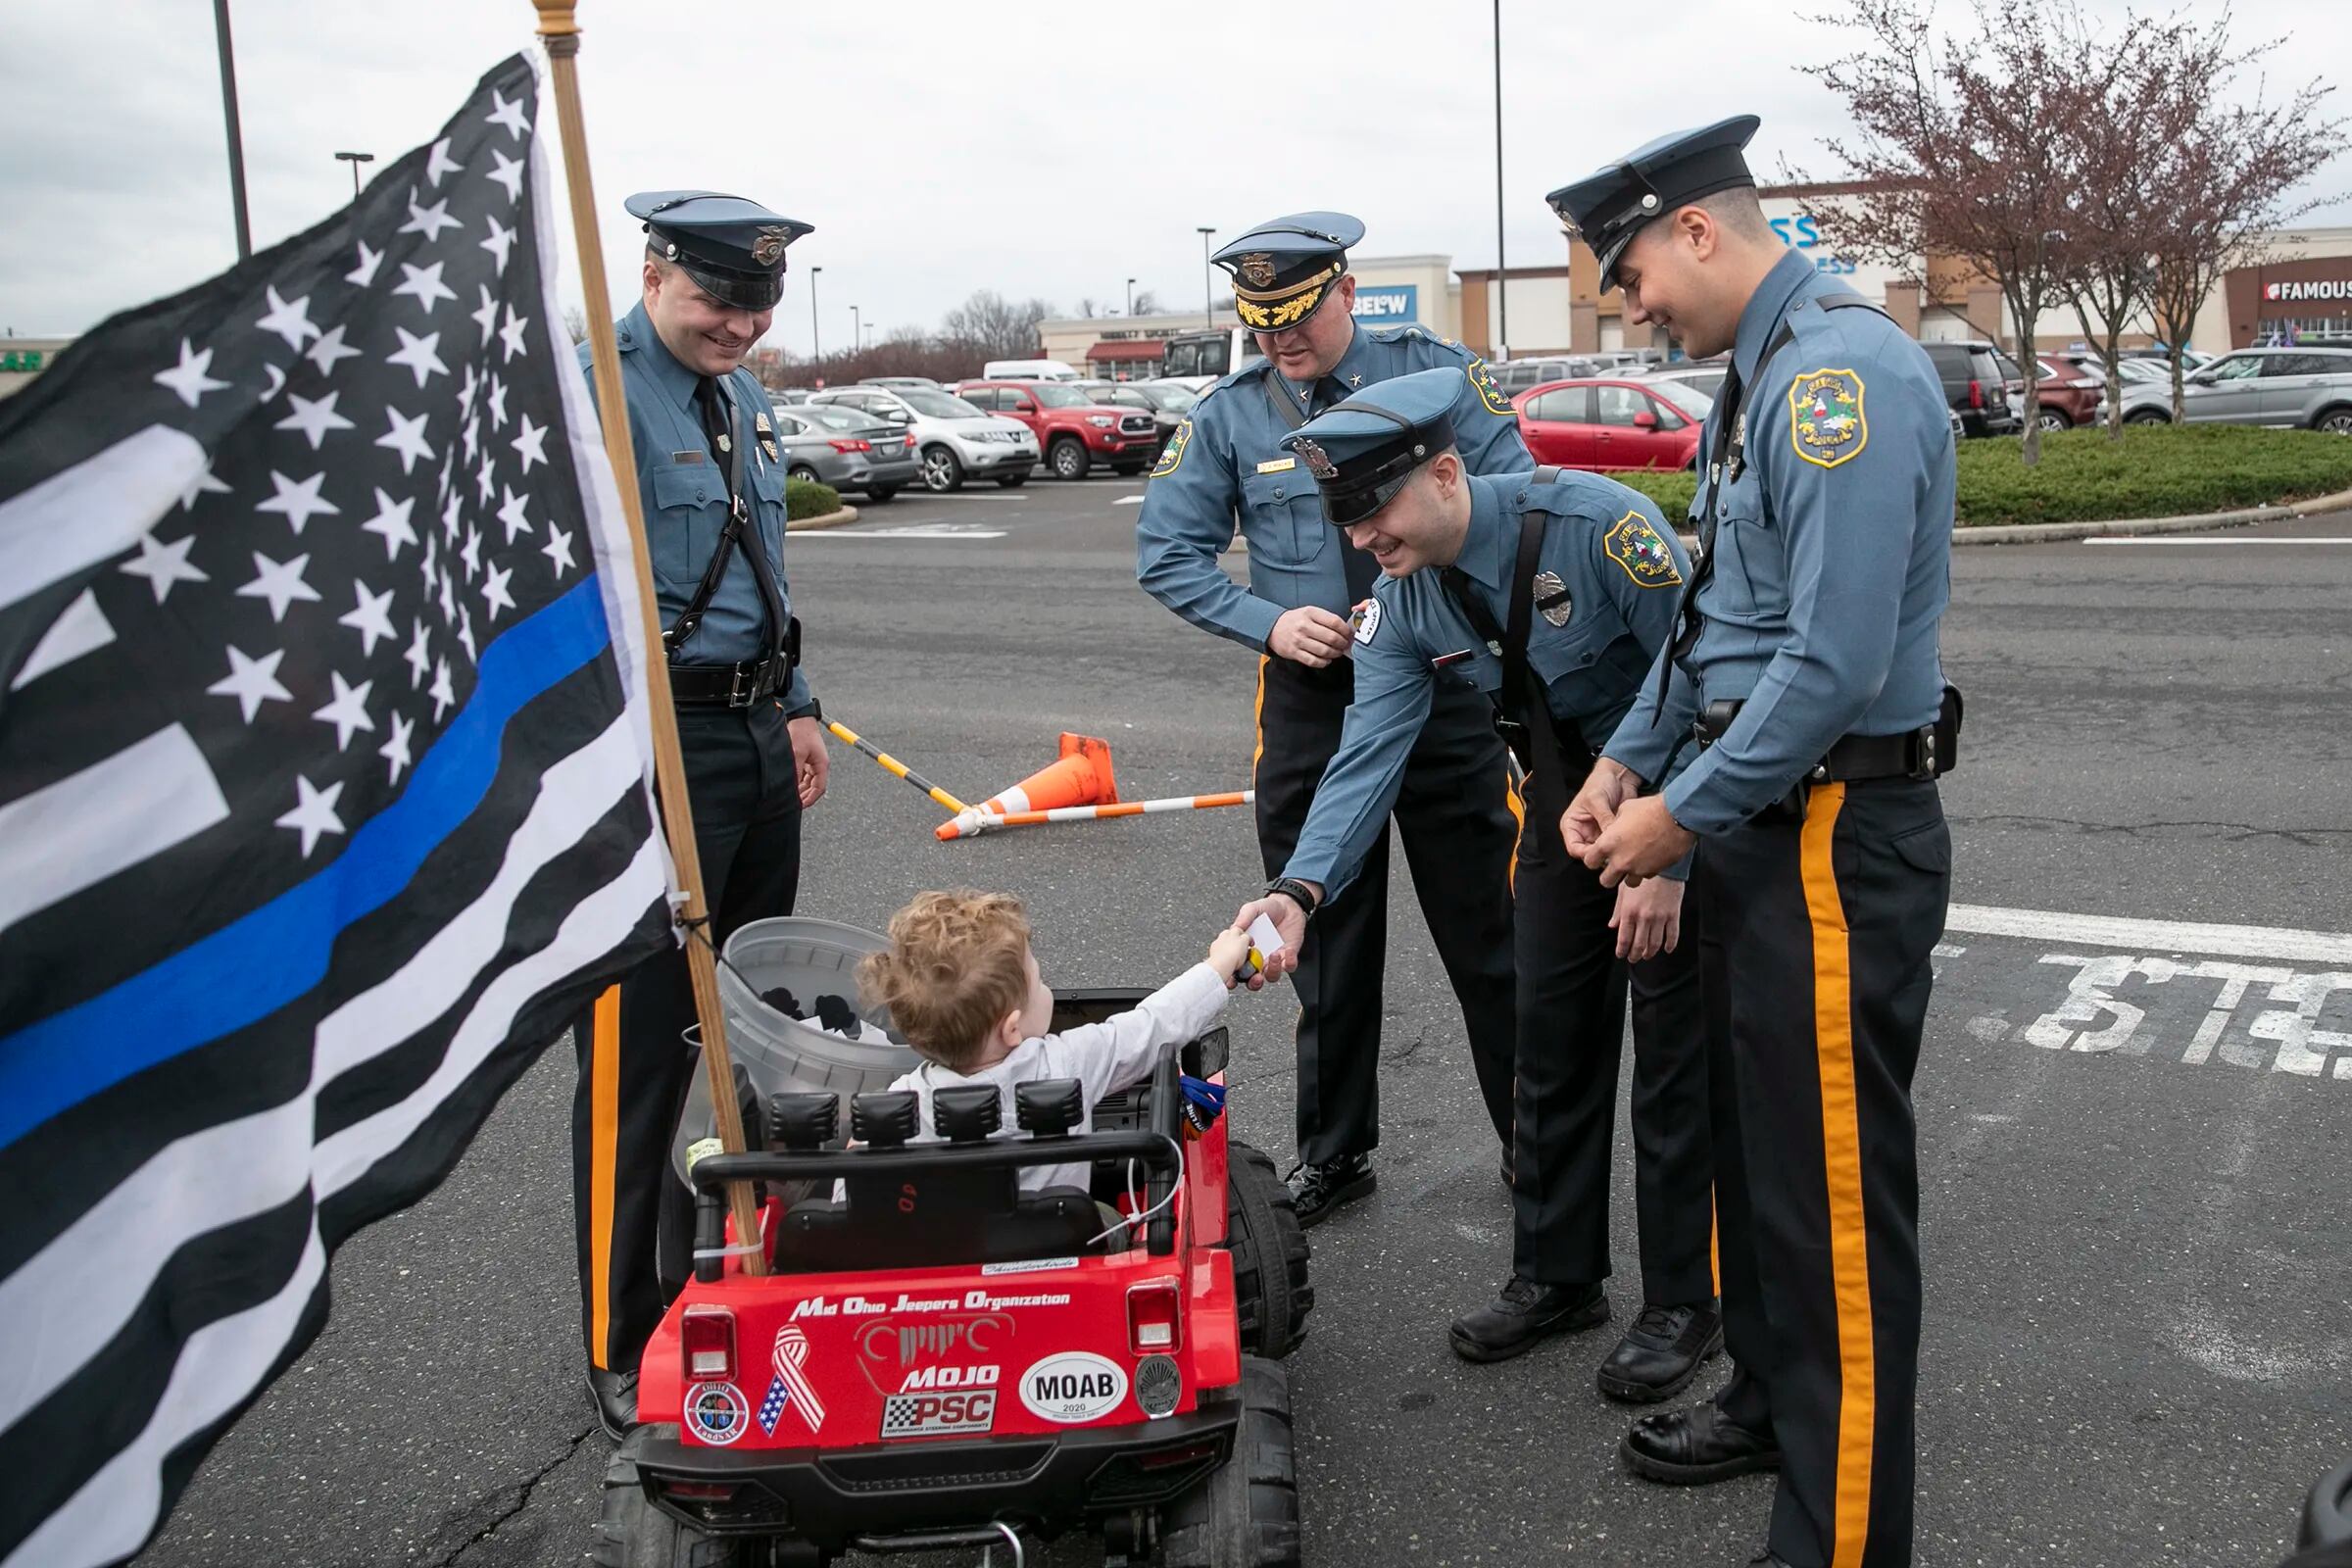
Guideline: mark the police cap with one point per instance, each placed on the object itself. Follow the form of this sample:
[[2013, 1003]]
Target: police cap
[[733, 248], [1284, 268], [1609, 207], [1363, 450]]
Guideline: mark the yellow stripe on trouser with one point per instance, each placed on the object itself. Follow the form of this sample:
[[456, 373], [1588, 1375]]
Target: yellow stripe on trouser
[[604, 1128], [1518, 805], [1257, 719], [1841, 1157]]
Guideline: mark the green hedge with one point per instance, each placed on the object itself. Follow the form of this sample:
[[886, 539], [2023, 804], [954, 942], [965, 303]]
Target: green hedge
[[805, 498], [2157, 470]]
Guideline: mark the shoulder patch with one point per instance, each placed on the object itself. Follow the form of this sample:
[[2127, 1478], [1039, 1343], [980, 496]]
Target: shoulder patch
[[1489, 393], [1175, 452], [1826, 422], [1365, 618], [1636, 547]]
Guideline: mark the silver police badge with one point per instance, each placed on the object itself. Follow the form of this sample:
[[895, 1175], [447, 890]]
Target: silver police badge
[[768, 245], [1257, 269], [1548, 588], [1318, 462]]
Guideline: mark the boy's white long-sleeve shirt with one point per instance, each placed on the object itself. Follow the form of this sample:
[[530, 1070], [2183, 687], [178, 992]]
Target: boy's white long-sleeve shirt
[[1105, 1058]]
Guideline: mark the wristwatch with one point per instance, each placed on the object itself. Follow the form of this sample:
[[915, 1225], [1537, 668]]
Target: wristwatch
[[1298, 891], [815, 710]]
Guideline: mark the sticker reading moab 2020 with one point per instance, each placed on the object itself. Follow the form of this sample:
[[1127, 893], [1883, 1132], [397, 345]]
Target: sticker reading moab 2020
[[1072, 1387]]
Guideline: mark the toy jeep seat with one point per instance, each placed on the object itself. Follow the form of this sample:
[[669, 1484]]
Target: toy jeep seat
[[951, 1212]]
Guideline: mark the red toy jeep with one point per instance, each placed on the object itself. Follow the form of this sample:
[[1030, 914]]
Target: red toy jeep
[[941, 1359]]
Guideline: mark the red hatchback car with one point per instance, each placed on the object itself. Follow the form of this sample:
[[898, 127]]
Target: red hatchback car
[[1603, 423]]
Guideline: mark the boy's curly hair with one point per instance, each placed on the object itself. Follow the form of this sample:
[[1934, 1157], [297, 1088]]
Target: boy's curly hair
[[954, 969]]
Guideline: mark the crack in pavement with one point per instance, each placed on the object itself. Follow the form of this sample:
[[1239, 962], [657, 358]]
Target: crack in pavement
[[523, 1496], [2310, 838]]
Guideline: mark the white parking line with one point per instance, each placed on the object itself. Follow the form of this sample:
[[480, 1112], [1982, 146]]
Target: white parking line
[[917, 530], [2154, 936], [2223, 539]]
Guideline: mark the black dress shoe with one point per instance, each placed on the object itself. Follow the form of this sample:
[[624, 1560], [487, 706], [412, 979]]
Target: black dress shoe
[[1695, 1447], [1317, 1190], [1766, 1559], [1662, 1353], [1524, 1313], [614, 1395]]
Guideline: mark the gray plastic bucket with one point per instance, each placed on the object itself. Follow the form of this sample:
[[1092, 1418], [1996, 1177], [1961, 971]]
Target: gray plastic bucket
[[813, 959]]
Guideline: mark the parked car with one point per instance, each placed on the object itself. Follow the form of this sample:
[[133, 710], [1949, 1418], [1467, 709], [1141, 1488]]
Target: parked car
[[784, 396], [1612, 423], [901, 381], [1975, 378], [2310, 388], [1027, 370], [1166, 402], [2190, 358], [1706, 375], [1514, 376], [2069, 391], [846, 448], [1075, 431], [951, 438]]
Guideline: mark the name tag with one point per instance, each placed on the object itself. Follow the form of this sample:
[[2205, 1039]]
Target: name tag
[[1278, 466], [688, 458]]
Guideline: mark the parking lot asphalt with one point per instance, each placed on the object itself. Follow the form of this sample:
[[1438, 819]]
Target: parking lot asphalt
[[2134, 1098]]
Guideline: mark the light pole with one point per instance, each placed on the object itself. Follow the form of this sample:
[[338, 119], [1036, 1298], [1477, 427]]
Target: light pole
[[816, 350], [1209, 314], [1503, 268], [355, 160], [856, 334], [1131, 296], [236, 139]]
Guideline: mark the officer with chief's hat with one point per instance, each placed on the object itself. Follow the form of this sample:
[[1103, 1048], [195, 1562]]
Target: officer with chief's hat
[[710, 477], [1226, 468], [1550, 593], [1804, 674]]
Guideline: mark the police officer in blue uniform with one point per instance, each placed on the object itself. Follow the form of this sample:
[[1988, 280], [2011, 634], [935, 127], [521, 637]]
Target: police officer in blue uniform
[[1550, 593], [1805, 673], [711, 481], [1226, 464]]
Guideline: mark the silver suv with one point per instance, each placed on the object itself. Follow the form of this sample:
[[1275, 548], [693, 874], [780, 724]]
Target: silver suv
[[2307, 388], [951, 439]]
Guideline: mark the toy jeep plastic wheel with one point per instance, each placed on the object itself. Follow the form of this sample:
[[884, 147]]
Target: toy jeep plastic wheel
[[1271, 1292], [1246, 1515]]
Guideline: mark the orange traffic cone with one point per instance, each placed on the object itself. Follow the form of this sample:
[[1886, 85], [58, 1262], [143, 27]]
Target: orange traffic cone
[[1080, 777]]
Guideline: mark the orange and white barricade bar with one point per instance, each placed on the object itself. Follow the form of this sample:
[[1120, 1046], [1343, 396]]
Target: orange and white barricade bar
[[975, 820]]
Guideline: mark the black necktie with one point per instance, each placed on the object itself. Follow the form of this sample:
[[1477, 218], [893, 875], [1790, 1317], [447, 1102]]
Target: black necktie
[[1360, 568]]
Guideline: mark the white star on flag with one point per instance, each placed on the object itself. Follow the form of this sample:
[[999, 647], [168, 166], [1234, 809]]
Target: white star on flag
[[471, 437], [391, 520], [424, 285], [421, 355], [486, 317], [313, 813], [498, 402], [420, 655], [501, 242], [466, 633], [442, 693], [363, 274], [348, 712], [531, 444], [508, 172], [191, 377], [396, 750], [494, 592], [328, 349], [204, 484], [509, 115], [252, 681], [291, 321], [164, 564], [512, 516], [428, 220], [299, 503], [558, 550], [281, 584], [406, 437], [276, 383], [471, 555], [313, 416], [438, 163], [372, 618], [511, 334], [484, 482]]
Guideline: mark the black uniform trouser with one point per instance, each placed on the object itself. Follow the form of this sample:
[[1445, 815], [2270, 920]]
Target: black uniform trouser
[[633, 1217], [1572, 1005], [1815, 942], [1456, 815]]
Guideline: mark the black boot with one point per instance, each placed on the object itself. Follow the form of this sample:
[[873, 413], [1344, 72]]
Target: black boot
[[615, 1396], [1695, 1447], [1524, 1313], [1662, 1353], [1317, 1190]]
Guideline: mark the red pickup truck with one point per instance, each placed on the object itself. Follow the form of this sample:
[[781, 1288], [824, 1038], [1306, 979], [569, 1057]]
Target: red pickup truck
[[1073, 431]]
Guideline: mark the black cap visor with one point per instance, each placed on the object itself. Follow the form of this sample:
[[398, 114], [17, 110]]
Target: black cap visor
[[1344, 508], [732, 289]]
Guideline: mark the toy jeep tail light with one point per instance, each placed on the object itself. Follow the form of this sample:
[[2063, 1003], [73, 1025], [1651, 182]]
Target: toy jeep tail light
[[707, 1341], [1152, 1318]]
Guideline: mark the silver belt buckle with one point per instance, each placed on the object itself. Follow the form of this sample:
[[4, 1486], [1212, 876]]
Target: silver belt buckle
[[737, 696]]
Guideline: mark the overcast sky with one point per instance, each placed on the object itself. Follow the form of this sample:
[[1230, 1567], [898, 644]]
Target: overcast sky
[[1038, 147]]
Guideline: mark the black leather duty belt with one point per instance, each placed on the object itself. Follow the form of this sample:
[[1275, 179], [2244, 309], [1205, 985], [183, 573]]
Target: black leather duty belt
[[1928, 752], [729, 685]]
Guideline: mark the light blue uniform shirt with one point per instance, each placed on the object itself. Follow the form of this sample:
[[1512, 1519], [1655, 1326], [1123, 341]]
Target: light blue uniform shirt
[[1832, 557], [1227, 461], [1623, 571], [685, 499]]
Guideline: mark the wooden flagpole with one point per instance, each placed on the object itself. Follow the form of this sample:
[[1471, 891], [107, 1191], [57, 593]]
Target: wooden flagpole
[[562, 39]]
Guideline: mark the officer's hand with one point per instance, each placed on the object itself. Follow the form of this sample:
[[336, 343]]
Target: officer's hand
[[1609, 786], [1310, 635], [1649, 919], [1290, 924], [810, 764], [1644, 840]]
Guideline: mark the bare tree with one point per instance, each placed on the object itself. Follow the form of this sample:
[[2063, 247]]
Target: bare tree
[[1965, 147], [575, 322], [2226, 180], [1146, 303], [992, 327]]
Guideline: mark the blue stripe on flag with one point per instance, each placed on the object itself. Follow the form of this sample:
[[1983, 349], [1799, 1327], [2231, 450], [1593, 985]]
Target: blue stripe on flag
[[259, 963]]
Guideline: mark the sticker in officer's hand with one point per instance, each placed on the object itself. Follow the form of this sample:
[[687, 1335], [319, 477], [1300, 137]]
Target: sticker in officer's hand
[[1825, 425], [1365, 618]]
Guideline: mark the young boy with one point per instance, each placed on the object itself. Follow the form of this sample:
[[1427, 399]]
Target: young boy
[[964, 988]]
